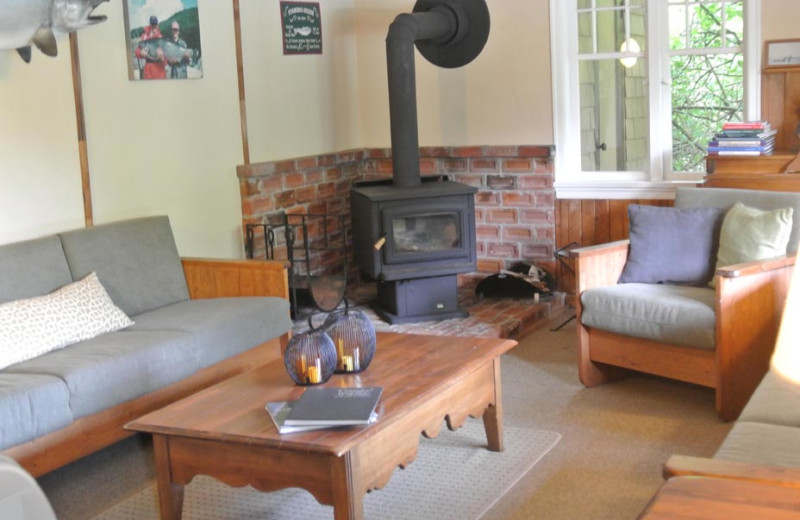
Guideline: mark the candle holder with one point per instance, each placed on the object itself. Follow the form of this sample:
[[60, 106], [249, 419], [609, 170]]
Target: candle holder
[[353, 338], [310, 356]]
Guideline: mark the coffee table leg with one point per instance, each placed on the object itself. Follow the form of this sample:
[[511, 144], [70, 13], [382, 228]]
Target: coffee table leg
[[493, 416], [170, 495], [348, 487]]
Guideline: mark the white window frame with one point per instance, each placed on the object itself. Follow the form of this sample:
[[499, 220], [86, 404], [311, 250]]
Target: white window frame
[[573, 183]]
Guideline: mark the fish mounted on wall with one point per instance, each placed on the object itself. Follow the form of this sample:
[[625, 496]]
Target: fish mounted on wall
[[38, 22]]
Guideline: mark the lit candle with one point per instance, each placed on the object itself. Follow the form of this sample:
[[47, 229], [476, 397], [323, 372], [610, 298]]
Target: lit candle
[[315, 372], [356, 359], [347, 363], [340, 357], [302, 367]]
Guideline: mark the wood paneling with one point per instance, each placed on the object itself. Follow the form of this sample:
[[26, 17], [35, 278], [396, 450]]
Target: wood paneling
[[588, 223]]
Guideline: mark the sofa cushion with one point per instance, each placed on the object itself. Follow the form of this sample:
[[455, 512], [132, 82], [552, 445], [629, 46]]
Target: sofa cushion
[[725, 198], [76, 312], [674, 314], [775, 401], [136, 260], [32, 268], [221, 327], [760, 443], [115, 367], [671, 245], [31, 405]]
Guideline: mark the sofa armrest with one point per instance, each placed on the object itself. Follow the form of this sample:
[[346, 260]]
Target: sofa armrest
[[682, 465], [213, 278], [750, 301], [600, 265]]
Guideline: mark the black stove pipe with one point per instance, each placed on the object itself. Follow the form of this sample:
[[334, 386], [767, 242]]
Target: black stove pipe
[[440, 25]]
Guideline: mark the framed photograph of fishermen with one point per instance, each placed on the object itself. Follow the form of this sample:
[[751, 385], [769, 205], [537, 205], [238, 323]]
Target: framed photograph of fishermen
[[163, 38], [780, 55], [302, 28]]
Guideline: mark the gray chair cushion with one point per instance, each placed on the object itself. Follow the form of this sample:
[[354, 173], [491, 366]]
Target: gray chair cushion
[[136, 261], [760, 443], [32, 268], [672, 245], [725, 198], [221, 327], [31, 405], [673, 314], [115, 367], [775, 401]]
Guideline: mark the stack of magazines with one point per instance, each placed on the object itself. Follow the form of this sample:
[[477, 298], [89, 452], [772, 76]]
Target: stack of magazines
[[320, 408], [746, 138]]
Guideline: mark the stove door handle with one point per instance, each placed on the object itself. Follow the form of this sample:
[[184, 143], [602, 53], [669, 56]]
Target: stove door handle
[[379, 244]]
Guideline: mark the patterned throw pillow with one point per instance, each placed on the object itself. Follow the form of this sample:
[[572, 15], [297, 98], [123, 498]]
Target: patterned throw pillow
[[73, 313]]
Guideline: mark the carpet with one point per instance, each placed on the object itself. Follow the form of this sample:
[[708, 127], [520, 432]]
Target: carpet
[[453, 477]]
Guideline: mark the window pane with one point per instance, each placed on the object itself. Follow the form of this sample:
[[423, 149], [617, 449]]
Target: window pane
[[705, 25], [614, 116], [706, 92]]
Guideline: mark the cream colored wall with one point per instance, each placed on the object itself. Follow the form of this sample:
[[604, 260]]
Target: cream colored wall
[[779, 19], [502, 97], [303, 104]]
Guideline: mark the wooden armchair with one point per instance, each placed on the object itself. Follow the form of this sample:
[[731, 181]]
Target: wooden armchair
[[748, 306]]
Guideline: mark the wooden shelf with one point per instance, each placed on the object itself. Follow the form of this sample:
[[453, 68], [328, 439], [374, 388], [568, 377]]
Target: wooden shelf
[[779, 171]]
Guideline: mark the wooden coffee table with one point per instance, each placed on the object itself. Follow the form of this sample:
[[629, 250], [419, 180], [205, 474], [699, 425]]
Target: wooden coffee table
[[224, 431]]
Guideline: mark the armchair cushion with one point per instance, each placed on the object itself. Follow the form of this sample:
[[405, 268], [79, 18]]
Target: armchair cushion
[[674, 314], [671, 245], [753, 234], [759, 443]]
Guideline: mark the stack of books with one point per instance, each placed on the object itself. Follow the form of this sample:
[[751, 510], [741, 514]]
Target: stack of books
[[320, 408], [746, 138]]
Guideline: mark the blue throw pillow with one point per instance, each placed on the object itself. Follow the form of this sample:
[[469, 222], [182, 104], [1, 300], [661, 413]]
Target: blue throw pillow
[[672, 245]]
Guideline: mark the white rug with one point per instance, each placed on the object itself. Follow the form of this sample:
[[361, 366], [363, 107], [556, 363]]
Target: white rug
[[453, 477]]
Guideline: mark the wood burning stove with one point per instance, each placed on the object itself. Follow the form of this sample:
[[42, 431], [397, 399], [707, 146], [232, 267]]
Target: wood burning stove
[[414, 234]]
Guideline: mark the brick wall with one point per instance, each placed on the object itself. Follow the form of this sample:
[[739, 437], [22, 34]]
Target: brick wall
[[515, 204]]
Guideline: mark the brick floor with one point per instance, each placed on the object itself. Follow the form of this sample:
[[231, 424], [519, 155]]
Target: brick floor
[[488, 317]]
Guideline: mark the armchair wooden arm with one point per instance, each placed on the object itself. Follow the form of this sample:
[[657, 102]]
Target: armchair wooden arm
[[750, 301], [213, 278], [682, 465]]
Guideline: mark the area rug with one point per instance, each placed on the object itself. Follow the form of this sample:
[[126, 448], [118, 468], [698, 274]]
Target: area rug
[[453, 477]]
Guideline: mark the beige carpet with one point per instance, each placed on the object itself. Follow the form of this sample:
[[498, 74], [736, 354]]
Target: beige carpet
[[453, 477], [607, 465]]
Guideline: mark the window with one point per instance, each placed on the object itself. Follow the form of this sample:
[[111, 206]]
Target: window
[[640, 86]]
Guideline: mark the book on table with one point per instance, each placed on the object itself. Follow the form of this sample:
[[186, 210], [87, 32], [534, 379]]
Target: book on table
[[334, 407], [278, 410]]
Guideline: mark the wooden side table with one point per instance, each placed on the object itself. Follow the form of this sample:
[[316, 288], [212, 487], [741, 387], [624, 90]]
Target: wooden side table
[[707, 498]]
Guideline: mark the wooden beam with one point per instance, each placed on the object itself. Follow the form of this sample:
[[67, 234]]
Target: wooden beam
[[237, 26], [83, 151]]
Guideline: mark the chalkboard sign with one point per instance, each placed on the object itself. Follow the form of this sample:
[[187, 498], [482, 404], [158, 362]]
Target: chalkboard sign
[[302, 28]]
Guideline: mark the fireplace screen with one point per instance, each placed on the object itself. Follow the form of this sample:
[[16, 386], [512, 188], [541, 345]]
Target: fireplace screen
[[426, 233]]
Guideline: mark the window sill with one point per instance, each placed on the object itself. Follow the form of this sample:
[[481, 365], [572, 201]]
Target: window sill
[[620, 189]]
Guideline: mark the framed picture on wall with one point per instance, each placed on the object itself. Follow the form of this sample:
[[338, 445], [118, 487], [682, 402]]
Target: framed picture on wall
[[781, 54], [163, 38], [302, 27]]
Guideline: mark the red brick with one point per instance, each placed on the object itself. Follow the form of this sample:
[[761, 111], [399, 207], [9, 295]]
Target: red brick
[[537, 251], [297, 210], [533, 182], [480, 247], [252, 206], [327, 160], [545, 233], [306, 162], [325, 190], [434, 151], [313, 176], [305, 194], [518, 165], [513, 232], [255, 170], [285, 199], [503, 216], [349, 169], [378, 152], [544, 166], [385, 166], [503, 249], [478, 215], [486, 265], [343, 186], [501, 151], [331, 174], [501, 182], [545, 198], [535, 151], [317, 208], [270, 184], [518, 199], [467, 151], [483, 165], [294, 180], [335, 206], [345, 157], [487, 231], [455, 165], [487, 198], [535, 215], [284, 166], [470, 180], [428, 166]]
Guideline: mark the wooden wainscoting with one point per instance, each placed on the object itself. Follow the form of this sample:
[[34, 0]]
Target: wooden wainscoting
[[591, 222]]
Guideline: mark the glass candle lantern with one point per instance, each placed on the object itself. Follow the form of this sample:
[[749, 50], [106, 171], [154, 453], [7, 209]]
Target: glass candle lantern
[[353, 337], [310, 357]]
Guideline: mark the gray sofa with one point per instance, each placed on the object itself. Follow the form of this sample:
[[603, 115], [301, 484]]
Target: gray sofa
[[64, 404]]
